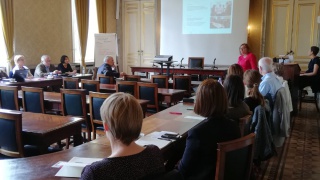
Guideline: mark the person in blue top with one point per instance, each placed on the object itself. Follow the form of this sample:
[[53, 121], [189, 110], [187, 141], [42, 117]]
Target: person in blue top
[[65, 67], [312, 76], [108, 68], [270, 84]]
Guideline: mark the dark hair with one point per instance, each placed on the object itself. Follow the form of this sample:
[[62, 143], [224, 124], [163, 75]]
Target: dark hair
[[235, 69], [252, 79], [315, 50], [211, 99], [278, 69], [246, 45], [235, 90], [63, 58]]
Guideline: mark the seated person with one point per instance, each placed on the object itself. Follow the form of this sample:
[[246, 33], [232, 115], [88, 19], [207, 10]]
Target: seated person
[[270, 84], [107, 70], [200, 155], [65, 67], [19, 60], [234, 87], [235, 69], [127, 160], [45, 67], [312, 76], [252, 79]]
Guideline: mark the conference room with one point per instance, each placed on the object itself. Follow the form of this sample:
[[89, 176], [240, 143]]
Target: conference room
[[168, 52]]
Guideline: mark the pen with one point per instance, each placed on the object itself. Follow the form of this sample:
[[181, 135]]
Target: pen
[[165, 139], [178, 113]]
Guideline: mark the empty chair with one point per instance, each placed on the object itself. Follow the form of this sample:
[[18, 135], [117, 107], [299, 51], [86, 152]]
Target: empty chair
[[9, 97], [127, 87], [96, 100], [90, 85], [161, 80], [105, 79], [32, 99], [73, 102], [131, 78], [70, 83], [234, 158], [184, 83], [149, 91]]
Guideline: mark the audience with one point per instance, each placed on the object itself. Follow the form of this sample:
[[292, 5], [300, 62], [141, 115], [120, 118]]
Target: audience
[[65, 67], [122, 120], [235, 69], [45, 67], [247, 60], [200, 155], [108, 68], [234, 88], [252, 79], [19, 60], [269, 84]]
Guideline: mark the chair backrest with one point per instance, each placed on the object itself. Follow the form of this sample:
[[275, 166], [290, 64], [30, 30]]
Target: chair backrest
[[196, 62], [182, 82], [94, 73], [90, 85], [161, 80], [73, 102], [244, 124], [149, 91], [9, 97], [11, 133], [96, 100], [131, 78], [105, 79], [32, 99], [70, 83], [234, 158], [127, 87]]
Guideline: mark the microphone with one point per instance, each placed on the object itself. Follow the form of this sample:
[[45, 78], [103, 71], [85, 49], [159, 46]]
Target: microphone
[[214, 64], [181, 63]]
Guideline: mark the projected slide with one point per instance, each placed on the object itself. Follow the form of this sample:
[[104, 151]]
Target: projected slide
[[207, 17]]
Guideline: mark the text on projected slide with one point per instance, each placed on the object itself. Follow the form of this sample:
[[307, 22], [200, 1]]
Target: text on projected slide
[[207, 17]]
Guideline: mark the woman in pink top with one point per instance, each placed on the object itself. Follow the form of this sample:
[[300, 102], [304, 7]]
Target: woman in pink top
[[247, 60]]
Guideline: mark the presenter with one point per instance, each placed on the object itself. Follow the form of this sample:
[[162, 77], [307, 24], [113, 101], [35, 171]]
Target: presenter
[[247, 60]]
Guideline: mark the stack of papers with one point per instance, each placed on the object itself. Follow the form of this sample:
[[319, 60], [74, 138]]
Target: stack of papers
[[155, 139], [74, 167]]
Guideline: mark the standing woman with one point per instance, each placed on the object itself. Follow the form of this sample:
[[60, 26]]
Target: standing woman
[[247, 60], [64, 65], [19, 60]]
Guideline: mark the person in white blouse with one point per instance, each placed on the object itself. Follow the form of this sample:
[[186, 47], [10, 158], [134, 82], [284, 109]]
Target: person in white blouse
[[19, 60]]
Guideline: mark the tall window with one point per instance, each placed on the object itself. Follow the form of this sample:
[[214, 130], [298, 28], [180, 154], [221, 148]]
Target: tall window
[[3, 48], [93, 29]]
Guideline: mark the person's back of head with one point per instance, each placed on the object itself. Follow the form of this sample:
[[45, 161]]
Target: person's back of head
[[211, 99], [235, 69], [234, 88], [278, 69], [252, 79], [265, 65], [122, 116]]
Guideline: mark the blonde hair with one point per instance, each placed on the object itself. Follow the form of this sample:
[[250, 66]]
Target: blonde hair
[[252, 79], [123, 115], [18, 58], [211, 99]]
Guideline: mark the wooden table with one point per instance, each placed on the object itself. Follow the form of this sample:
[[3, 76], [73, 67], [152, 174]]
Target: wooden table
[[146, 80], [168, 96], [43, 130], [39, 167], [217, 72], [35, 82]]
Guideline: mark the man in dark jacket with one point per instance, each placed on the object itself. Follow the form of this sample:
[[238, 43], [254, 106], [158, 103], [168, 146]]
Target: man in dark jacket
[[108, 68]]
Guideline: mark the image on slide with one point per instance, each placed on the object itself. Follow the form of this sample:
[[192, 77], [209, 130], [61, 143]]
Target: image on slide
[[221, 14]]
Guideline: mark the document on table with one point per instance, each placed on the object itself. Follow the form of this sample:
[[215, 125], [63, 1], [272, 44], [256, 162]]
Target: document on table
[[74, 167], [155, 139]]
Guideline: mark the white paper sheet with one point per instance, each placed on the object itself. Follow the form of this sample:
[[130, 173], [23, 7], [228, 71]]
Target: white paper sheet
[[195, 117]]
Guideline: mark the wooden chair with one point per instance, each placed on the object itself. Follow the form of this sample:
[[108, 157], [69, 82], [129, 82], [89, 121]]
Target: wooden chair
[[11, 130], [70, 83], [94, 73], [132, 78], [182, 82], [33, 99], [161, 80], [149, 91], [234, 158], [90, 85], [73, 102], [9, 97], [95, 101], [104, 79], [244, 124], [127, 87]]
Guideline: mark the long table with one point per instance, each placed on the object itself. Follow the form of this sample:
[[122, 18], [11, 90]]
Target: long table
[[39, 167], [43, 130], [216, 72]]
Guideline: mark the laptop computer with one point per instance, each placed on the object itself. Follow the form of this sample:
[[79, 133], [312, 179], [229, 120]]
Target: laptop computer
[[20, 75]]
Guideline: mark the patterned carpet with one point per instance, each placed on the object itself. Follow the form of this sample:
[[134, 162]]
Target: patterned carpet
[[299, 158]]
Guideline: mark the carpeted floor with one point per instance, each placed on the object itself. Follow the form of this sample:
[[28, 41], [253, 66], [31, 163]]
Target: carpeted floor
[[299, 158]]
